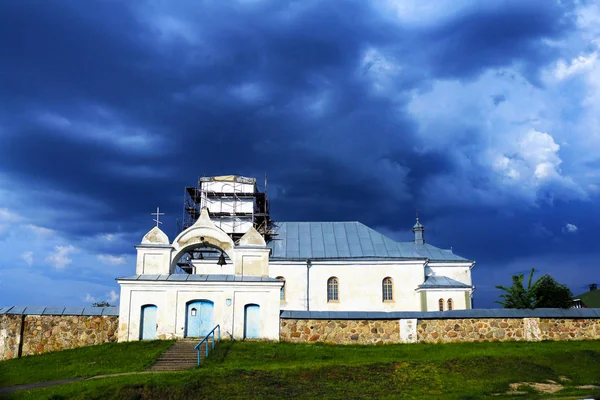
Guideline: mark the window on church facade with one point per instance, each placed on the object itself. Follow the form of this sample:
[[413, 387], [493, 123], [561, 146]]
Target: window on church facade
[[333, 289], [450, 304], [441, 304], [282, 290], [388, 289]]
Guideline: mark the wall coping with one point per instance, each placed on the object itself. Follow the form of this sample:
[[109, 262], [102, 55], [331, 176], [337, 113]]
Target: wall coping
[[77, 311], [581, 313]]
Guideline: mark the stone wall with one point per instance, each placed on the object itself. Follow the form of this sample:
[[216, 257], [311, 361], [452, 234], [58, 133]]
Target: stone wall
[[569, 329], [470, 330], [10, 336], [23, 335], [340, 331], [446, 330], [45, 333]]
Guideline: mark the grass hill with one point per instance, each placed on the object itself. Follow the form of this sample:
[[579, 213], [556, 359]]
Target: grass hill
[[267, 370]]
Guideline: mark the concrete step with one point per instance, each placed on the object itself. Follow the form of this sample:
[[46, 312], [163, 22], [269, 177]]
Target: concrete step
[[181, 356], [176, 364]]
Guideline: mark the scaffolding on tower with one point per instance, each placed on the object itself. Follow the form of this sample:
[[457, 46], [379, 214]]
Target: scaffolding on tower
[[235, 203]]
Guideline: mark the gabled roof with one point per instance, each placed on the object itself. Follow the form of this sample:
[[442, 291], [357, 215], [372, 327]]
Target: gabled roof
[[346, 241], [591, 299], [442, 282]]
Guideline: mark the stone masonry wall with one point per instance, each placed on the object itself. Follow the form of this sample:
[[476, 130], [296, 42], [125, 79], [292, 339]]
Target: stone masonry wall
[[340, 331], [10, 336], [45, 333], [470, 330], [569, 329], [439, 330]]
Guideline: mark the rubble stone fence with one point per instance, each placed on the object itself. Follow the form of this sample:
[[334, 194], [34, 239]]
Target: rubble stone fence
[[475, 325], [35, 330]]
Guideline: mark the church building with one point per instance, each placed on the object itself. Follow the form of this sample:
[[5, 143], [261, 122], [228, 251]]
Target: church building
[[232, 265]]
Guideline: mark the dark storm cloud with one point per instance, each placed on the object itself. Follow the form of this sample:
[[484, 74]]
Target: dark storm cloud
[[498, 34], [353, 155]]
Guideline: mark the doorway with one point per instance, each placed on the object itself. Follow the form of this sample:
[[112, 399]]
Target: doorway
[[199, 318], [252, 321], [148, 322]]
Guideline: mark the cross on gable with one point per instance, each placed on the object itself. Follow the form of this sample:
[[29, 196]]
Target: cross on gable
[[158, 214]]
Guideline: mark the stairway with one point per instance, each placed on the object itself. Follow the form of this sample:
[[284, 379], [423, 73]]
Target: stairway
[[180, 356]]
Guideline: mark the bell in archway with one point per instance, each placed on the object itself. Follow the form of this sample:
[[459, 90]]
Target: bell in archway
[[221, 261]]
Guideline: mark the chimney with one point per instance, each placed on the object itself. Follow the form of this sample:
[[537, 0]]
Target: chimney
[[593, 286], [419, 232]]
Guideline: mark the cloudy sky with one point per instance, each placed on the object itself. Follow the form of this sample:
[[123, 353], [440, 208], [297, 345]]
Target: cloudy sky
[[484, 116]]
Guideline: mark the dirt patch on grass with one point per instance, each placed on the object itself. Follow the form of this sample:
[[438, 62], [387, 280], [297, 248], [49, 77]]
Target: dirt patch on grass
[[588, 387], [548, 387]]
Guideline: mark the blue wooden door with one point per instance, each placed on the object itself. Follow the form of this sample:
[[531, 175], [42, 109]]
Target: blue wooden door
[[199, 318], [252, 321], [148, 323]]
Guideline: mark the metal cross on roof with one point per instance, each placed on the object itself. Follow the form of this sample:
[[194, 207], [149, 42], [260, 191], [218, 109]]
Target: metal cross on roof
[[158, 214]]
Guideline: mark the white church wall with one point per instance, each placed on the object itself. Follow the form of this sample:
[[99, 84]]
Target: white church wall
[[295, 284], [153, 259], [229, 300], [268, 301], [459, 272], [132, 301], [360, 285], [458, 299]]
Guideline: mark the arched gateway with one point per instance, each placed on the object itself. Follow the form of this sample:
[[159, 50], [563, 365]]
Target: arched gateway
[[215, 291]]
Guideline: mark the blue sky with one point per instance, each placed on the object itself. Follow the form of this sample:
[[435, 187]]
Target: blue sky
[[485, 116]]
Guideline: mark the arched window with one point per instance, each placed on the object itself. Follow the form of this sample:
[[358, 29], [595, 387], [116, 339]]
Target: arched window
[[333, 293], [282, 290], [388, 289], [450, 304], [441, 304]]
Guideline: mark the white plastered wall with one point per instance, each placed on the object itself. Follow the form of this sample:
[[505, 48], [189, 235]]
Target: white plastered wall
[[153, 259], [360, 285], [171, 300], [457, 271], [457, 295]]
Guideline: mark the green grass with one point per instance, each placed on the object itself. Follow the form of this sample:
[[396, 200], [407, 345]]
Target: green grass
[[82, 362], [282, 370]]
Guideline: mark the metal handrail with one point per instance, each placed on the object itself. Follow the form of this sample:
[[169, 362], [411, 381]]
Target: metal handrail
[[205, 340]]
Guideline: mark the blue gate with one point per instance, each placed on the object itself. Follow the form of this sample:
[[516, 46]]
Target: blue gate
[[252, 321], [148, 322], [199, 318]]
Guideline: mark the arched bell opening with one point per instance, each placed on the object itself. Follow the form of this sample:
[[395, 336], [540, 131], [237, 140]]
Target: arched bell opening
[[190, 259]]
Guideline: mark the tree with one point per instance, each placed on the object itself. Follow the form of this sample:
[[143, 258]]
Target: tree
[[102, 304], [517, 296], [544, 293], [551, 294]]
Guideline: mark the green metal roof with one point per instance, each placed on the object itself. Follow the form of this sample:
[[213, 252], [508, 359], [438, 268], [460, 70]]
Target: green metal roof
[[591, 299]]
